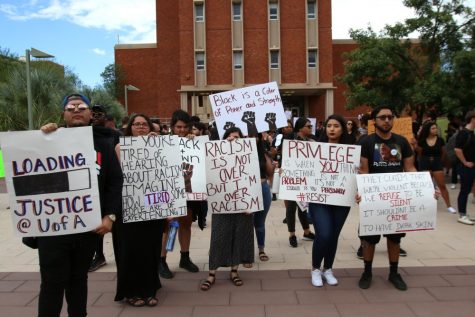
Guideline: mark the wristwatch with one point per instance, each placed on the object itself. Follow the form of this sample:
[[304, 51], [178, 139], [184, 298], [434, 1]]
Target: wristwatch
[[112, 217]]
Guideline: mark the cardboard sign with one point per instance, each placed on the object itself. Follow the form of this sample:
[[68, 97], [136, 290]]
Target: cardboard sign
[[396, 202], [401, 126], [313, 121], [52, 181], [319, 172], [154, 187], [233, 178], [253, 109], [193, 158]]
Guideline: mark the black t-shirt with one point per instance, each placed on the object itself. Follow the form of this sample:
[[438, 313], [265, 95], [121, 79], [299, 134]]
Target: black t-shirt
[[385, 156], [432, 151], [465, 140]]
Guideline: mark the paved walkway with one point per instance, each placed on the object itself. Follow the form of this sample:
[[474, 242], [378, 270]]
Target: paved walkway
[[439, 269]]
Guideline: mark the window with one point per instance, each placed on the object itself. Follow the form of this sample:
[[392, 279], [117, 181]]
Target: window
[[274, 59], [200, 61], [237, 11], [237, 59], [312, 58], [273, 10], [311, 9], [199, 12]]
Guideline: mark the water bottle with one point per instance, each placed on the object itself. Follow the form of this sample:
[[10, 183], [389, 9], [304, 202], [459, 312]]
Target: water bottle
[[172, 235], [275, 181]]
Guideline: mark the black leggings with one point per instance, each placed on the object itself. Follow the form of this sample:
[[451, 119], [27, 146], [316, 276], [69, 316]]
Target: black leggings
[[290, 215]]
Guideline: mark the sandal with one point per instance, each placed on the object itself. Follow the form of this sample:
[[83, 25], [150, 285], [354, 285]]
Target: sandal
[[206, 285], [235, 279], [263, 256], [136, 302], [151, 301]]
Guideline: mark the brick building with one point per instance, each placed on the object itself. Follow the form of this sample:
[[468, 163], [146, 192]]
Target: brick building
[[209, 46]]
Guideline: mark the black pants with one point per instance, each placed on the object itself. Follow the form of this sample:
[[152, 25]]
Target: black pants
[[64, 264], [290, 216], [99, 247]]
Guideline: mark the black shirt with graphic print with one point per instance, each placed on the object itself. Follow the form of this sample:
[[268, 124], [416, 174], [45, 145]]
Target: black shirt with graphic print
[[385, 156]]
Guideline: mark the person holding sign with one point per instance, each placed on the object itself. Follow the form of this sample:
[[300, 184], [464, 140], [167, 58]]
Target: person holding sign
[[139, 243], [431, 153], [328, 220], [384, 152], [232, 237], [65, 260]]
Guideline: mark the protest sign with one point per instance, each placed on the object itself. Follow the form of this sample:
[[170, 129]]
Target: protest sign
[[2, 168], [193, 158], [252, 109], [233, 178], [396, 202], [401, 126], [319, 172], [51, 181], [313, 121], [154, 187]]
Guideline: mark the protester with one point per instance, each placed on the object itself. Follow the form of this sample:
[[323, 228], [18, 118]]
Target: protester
[[232, 238], [377, 151], [464, 149], [65, 260], [431, 154], [353, 131], [328, 220], [302, 130], [139, 243]]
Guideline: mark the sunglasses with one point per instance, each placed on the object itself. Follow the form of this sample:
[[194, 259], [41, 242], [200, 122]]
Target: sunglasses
[[140, 124], [388, 117], [80, 107]]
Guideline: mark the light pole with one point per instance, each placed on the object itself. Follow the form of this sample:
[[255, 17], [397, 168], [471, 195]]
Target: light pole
[[38, 54], [128, 87]]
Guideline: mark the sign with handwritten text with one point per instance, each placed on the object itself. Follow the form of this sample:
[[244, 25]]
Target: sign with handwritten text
[[317, 172], [51, 181], [233, 177], [396, 202], [194, 168], [154, 186], [253, 109]]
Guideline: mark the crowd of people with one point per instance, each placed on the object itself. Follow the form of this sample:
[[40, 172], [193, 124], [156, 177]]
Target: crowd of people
[[139, 247]]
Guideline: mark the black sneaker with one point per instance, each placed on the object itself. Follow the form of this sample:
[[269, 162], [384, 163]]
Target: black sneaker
[[309, 237], [397, 281], [164, 271], [365, 280], [285, 220], [274, 197], [359, 253], [185, 263], [97, 263], [402, 252], [293, 241]]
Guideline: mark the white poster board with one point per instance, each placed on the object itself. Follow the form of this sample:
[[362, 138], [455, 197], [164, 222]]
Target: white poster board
[[233, 178], [193, 158], [313, 121], [253, 109], [319, 172], [396, 202], [52, 181], [154, 187]]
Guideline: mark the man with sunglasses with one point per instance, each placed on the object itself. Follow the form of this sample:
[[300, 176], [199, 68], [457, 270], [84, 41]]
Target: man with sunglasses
[[384, 152], [65, 260]]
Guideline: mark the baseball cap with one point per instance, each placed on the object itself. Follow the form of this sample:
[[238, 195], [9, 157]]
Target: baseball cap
[[98, 108], [75, 96]]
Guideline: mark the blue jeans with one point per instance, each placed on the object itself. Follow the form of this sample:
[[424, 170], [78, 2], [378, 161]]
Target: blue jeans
[[260, 216], [467, 177], [328, 220]]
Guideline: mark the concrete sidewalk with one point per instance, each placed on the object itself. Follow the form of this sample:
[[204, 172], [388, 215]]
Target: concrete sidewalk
[[439, 270]]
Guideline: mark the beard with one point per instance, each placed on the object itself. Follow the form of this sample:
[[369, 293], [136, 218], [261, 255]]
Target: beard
[[383, 129]]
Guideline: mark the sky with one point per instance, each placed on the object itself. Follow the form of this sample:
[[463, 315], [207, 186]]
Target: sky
[[81, 34]]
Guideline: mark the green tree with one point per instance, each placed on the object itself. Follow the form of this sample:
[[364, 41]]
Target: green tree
[[101, 96], [112, 77]]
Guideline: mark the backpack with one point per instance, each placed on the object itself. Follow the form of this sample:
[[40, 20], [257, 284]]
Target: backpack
[[450, 148]]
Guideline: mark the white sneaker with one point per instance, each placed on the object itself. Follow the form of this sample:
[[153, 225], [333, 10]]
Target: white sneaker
[[453, 186], [452, 210], [465, 220], [329, 277], [317, 278], [473, 200]]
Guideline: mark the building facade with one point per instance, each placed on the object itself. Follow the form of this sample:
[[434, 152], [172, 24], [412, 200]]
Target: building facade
[[209, 46]]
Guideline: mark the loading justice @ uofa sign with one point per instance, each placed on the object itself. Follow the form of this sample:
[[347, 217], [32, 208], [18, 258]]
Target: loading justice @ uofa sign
[[52, 181], [319, 172], [396, 202]]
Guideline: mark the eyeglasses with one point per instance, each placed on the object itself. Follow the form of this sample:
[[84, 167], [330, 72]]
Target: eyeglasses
[[388, 117], [79, 107], [308, 126], [140, 124]]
